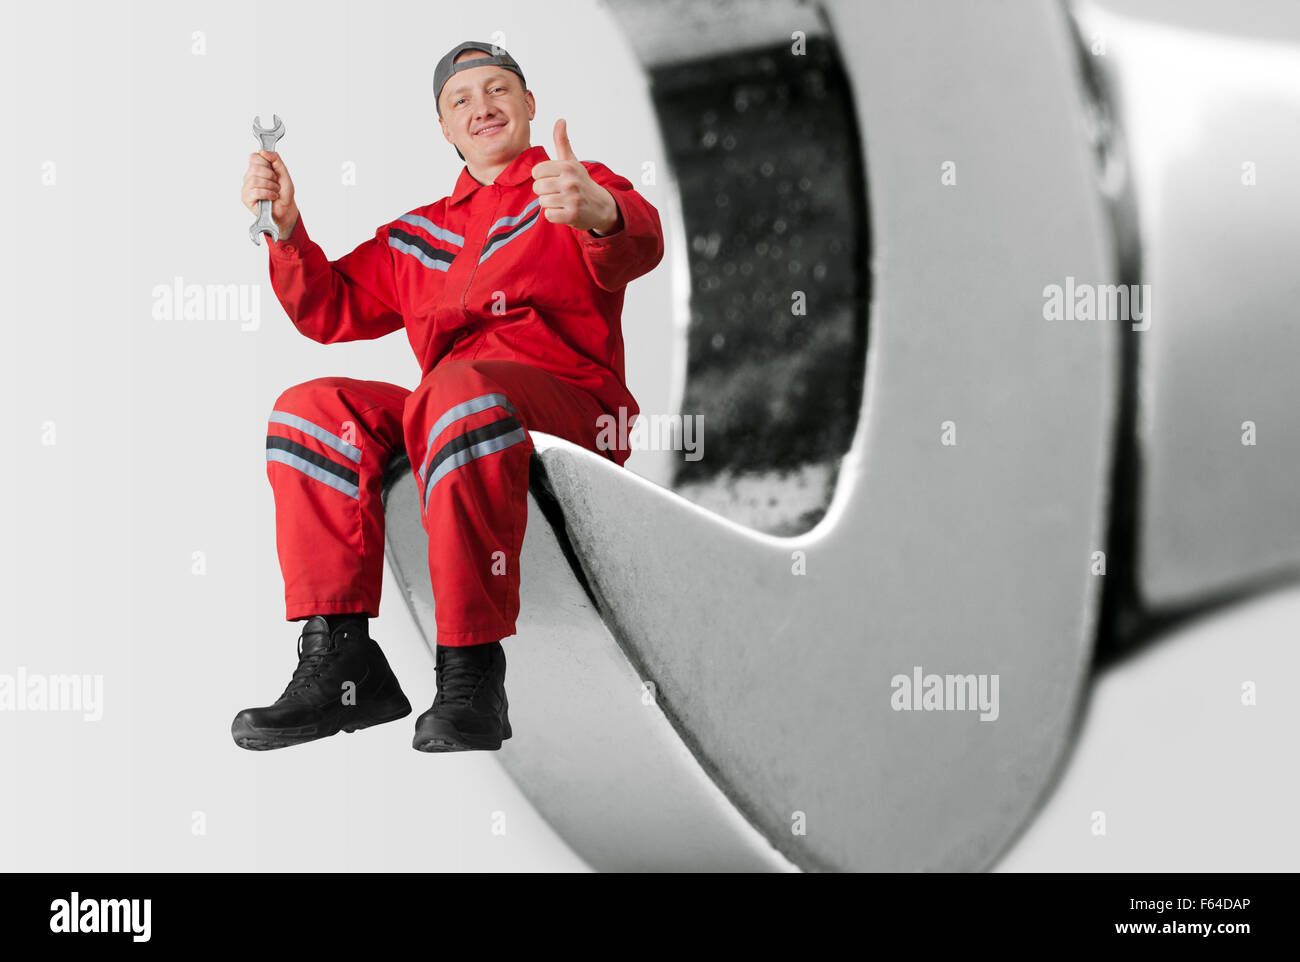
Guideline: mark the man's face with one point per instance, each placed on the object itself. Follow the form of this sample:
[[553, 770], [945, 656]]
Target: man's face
[[486, 113]]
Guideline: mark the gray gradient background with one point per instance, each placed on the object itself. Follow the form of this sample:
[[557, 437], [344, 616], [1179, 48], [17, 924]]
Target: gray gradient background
[[160, 452]]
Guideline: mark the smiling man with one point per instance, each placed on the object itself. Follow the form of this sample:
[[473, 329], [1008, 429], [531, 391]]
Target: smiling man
[[510, 291]]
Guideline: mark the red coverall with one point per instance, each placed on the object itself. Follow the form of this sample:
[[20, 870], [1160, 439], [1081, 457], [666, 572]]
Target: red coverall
[[516, 323]]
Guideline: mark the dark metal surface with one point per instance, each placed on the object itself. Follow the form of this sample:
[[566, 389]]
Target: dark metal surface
[[768, 163]]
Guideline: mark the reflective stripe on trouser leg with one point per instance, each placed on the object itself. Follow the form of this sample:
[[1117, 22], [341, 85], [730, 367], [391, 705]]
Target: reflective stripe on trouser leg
[[475, 509], [468, 423], [328, 443], [470, 444]]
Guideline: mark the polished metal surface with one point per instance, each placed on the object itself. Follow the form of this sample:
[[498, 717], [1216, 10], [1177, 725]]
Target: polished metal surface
[[1207, 96]]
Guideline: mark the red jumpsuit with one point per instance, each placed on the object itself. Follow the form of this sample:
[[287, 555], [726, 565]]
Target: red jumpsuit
[[516, 323]]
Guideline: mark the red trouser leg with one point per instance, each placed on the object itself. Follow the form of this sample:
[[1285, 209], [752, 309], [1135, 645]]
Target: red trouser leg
[[467, 437], [327, 445]]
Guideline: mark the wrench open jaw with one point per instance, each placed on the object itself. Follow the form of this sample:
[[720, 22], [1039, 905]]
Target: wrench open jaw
[[267, 137]]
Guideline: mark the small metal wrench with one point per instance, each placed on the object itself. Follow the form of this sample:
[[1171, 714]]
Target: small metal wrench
[[264, 224]]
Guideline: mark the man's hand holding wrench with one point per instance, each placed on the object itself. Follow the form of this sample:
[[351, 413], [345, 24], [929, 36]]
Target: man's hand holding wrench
[[267, 189]]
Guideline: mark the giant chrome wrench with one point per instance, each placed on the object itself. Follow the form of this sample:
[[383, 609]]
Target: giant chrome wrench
[[264, 224], [723, 698], [687, 701]]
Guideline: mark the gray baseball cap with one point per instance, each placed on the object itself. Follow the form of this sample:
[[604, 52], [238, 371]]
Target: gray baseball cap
[[495, 56]]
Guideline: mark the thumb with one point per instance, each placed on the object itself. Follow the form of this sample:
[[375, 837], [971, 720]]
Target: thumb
[[563, 150]]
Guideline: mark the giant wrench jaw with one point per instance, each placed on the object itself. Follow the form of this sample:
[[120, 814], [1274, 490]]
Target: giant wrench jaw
[[704, 697], [681, 699]]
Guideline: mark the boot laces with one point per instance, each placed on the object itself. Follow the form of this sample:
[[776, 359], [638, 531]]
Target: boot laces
[[309, 666], [459, 682]]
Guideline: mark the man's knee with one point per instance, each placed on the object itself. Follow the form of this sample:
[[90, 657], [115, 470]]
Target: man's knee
[[451, 391], [312, 394], [459, 412], [452, 377]]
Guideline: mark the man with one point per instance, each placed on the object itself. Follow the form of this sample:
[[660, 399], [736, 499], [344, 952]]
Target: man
[[511, 292]]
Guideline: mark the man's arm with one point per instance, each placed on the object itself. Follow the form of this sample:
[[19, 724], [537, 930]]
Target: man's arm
[[636, 243], [351, 299]]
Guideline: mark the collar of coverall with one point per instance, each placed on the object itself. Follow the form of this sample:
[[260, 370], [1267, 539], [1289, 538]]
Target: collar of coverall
[[517, 171]]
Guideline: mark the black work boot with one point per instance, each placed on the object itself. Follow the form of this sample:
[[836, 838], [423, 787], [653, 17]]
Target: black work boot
[[470, 711], [342, 682]]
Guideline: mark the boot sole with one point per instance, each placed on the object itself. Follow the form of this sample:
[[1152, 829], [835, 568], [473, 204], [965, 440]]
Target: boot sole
[[438, 735], [265, 739]]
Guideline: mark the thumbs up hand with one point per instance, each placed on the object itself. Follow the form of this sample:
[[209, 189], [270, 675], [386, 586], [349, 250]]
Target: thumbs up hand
[[567, 193]]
